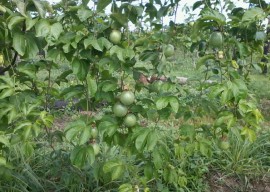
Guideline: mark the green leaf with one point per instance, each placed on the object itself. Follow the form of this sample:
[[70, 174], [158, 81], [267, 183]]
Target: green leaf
[[4, 140], [91, 86], [55, 30], [73, 91], [141, 140], [249, 133], [43, 28], [102, 4], [253, 14], [115, 167], [108, 127], [213, 15], [162, 102], [31, 48], [94, 42], [21, 6], [80, 68], [40, 8], [152, 140], [187, 131], [14, 21], [82, 156], [203, 60], [118, 51], [29, 23], [84, 14], [78, 130], [174, 104], [125, 188], [3, 161], [19, 43], [120, 18]]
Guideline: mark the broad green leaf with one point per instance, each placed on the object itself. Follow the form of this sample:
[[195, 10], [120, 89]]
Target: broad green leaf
[[152, 140], [253, 14], [73, 91], [174, 103], [31, 48], [211, 14], [102, 4], [3, 161], [118, 51], [203, 60], [103, 42], [82, 156], [78, 130], [14, 21], [162, 102], [43, 28], [91, 86], [94, 42], [157, 159], [84, 14], [125, 188], [141, 140], [2, 9], [80, 68], [108, 127], [40, 8], [120, 18], [29, 23], [55, 30], [55, 55], [4, 140], [19, 43], [249, 133], [109, 86], [7, 93], [21, 6], [115, 167]]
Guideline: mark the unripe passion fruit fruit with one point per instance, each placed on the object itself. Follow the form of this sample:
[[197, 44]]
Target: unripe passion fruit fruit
[[94, 133], [115, 36], [127, 97], [130, 120], [96, 148], [168, 50], [119, 109], [216, 40]]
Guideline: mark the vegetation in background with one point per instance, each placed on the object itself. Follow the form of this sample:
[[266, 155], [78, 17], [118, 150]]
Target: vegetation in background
[[175, 108]]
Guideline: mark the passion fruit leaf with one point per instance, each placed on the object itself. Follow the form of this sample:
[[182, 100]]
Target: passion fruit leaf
[[102, 4], [91, 86], [84, 14], [115, 167], [162, 102], [174, 103], [82, 156], [19, 43], [125, 188], [141, 140], [253, 14], [213, 15]]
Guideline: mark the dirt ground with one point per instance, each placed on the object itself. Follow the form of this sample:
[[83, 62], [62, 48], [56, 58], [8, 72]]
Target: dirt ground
[[220, 183]]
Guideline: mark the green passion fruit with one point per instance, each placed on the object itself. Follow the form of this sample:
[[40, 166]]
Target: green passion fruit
[[120, 110], [130, 120], [127, 97]]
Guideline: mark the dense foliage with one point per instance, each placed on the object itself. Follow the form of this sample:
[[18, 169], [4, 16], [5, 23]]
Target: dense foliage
[[152, 134]]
